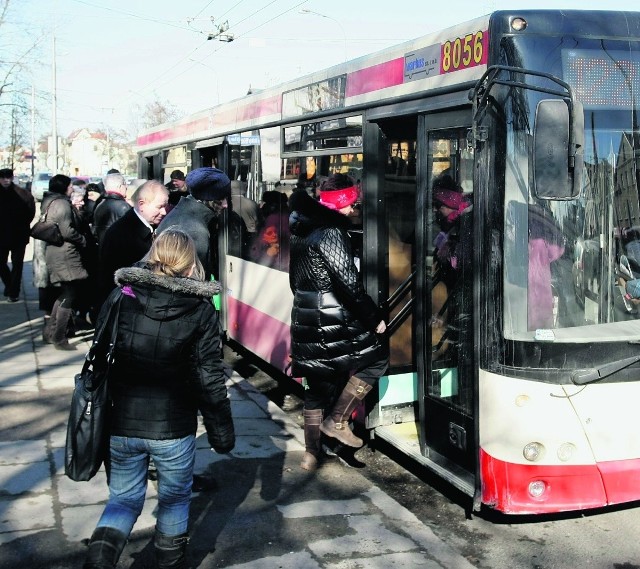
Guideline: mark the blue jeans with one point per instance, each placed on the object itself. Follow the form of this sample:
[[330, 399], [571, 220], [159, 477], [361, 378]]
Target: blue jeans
[[174, 459]]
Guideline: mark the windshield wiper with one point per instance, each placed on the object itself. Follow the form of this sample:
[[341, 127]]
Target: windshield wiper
[[584, 376]]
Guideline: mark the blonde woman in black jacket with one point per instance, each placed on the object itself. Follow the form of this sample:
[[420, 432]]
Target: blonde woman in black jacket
[[168, 365], [335, 325]]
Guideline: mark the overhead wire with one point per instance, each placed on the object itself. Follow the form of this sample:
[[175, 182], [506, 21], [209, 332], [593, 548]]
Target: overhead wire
[[137, 16], [189, 68]]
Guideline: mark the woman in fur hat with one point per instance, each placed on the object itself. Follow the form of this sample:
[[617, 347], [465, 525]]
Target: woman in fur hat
[[168, 365], [335, 324]]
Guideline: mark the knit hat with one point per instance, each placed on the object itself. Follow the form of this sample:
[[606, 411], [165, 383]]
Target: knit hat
[[177, 175], [451, 199], [208, 184], [338, 191], [633, 288], [6, 173]]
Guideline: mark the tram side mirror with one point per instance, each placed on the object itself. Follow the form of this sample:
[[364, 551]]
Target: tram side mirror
[[558, 142]]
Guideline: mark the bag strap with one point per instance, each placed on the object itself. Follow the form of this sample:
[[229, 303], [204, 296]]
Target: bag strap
[[110, 320], [43, 216]]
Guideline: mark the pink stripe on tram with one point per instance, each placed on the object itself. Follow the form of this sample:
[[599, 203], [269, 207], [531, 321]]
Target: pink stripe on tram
[[376, 77]]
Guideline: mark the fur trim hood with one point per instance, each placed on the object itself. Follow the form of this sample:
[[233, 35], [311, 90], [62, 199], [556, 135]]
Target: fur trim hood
[[308, 214], [183, 285], [164, 298]]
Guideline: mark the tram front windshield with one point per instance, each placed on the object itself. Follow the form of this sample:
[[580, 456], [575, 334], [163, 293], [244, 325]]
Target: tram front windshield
[[572, 267]]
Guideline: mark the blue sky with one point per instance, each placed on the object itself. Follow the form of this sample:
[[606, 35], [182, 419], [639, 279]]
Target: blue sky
[[112, 56]]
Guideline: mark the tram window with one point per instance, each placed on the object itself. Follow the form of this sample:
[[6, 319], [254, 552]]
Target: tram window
[[344, 132], [175, 157], [269, 159], [240, 162], [401, 158]]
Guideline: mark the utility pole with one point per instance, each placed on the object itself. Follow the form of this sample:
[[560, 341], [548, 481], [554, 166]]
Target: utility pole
[[13, 145], [54, 111], [33, 129]]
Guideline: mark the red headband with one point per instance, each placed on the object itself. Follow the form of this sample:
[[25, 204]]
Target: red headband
[[337, 199]]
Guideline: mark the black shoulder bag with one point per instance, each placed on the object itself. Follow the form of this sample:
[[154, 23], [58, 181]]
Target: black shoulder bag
[[47, 231], [87, 445]]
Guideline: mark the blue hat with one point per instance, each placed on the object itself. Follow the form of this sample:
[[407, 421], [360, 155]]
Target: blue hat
[[208, 184], [633, 288]]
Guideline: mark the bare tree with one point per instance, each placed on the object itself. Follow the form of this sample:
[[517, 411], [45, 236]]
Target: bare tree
[[152, 114], [15, 60]]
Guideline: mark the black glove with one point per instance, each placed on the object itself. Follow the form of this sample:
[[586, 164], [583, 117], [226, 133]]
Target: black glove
[[219, 424]]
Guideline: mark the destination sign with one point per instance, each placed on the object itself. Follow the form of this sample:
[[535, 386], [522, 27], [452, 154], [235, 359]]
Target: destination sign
[[603, 80]]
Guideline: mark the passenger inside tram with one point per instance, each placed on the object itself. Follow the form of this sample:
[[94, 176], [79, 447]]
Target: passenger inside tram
[[546, 245], [452, 254]]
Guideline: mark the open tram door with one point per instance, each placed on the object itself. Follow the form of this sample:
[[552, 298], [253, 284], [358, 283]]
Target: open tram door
[[445, 362], [426, 404]]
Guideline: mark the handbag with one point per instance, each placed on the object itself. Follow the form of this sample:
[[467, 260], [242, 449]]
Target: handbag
[[47, 231], [87, 444]]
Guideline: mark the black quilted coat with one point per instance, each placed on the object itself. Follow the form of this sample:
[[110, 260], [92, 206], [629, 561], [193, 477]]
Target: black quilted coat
[[333, 319], [168, 360]]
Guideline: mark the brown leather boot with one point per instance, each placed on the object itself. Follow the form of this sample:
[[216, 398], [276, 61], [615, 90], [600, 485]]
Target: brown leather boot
[[312, 420], [60, 327], [50, 324], [336, 425]]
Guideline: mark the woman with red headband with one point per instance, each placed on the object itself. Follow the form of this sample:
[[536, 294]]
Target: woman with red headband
[[335, 324], [449, 204]]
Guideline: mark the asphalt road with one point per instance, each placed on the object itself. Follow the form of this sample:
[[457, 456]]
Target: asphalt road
[[603, 539]]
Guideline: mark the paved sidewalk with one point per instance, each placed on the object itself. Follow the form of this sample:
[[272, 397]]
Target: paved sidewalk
[[264, 512]]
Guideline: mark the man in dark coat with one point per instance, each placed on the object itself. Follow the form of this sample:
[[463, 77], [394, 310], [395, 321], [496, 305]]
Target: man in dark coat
[[177, 188], [198, 213], [17, 209], [112, 206], [130, 237]]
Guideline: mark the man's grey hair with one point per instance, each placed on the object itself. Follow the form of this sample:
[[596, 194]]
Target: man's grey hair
[[147, 192], [114, 183]]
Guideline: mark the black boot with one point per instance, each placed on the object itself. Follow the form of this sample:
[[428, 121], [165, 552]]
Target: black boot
[[171, 550], [105, 548], [60, 327], [336, 425], [312, 420]]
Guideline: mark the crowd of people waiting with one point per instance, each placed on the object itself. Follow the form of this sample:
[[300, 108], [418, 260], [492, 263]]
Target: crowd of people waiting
[[112, 225], [150, 249]]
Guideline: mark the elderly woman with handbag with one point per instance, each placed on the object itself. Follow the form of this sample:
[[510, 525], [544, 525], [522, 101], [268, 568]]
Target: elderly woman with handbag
[[64, 262], [167, 366]]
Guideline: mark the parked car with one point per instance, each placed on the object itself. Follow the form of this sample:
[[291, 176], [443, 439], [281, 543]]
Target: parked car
[[22, 180], [40, 184]]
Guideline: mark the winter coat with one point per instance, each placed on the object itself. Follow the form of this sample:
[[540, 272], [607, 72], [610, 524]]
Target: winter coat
[[17, 208], [111, 208], [333, 320], [64, 263], [168, 359], [39, 260], [197, 220], [125, 243]]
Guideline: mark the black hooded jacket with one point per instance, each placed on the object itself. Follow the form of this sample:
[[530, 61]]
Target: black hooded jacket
[[168, 359], [333, 319]]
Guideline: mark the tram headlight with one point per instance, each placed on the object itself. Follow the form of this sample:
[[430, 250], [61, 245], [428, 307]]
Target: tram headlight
[[537, 488], [533, 451], [518, 24], [566, 451]]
